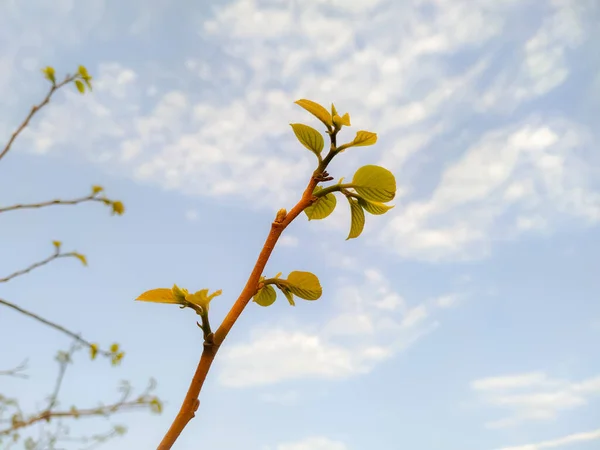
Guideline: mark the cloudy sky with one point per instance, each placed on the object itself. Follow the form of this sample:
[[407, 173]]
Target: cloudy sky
[[467, 318]]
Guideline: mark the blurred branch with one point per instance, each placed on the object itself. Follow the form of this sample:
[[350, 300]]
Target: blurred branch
[[89, 198], [57, 254], [16, 372], [145, 400], [34, 110], [62, 329]]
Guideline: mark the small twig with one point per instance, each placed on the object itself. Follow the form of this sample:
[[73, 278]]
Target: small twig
[[62, 329], [89, 198], [99, 411], [49, 259], [16, 372], [35, 109], [63, 358]]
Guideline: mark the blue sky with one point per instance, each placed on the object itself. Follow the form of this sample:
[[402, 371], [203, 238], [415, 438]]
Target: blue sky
[[467, 318]]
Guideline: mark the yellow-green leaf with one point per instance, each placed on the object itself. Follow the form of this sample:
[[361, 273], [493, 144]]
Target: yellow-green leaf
[[97, 189], [374, 183], [156, 405], [161, 295], [114, 348], [375, 208], [309, 137], [118, 207], [363, 138], [316, 110], [322, 207], [333, 110], [288, 294], [305, 285], [93, 351], [201, 298], [80, 86], [339, 121], [265, 296], [357, 219], [49, 74], [83, 72], [81, 258], [57, 244]]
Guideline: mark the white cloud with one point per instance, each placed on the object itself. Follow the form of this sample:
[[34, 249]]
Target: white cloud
[[192, 215], [371, 324], [288, 241], [575, 438], [534, 170], [286, 398], [313, 443], [533, 396]]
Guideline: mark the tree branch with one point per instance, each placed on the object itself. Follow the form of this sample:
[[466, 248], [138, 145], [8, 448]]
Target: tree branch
[[60, 328], [34, 110], [191, 402], [16, 372], [75, 201], [41, 263]]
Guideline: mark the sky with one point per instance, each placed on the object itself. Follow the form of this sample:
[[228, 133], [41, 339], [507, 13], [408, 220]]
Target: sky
[[467, 318]]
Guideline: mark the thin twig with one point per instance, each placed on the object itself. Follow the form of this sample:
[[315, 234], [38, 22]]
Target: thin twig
[[99, 411], [16, 372], [75, 201], [35, 109], [41, 263], [60, 328]]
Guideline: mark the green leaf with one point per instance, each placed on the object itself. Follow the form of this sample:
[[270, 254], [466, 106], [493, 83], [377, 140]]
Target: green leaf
[[339, 121], [49, 74], [322, 207], [309, 137], [364, 138], [161, 295], [80, 86], [265, 296], [316, 110], [83, 72], [305, 285], [374, 183], [93, 351], [288, 294], [202, 299], [81, 258], [375, 208], [357, 219]]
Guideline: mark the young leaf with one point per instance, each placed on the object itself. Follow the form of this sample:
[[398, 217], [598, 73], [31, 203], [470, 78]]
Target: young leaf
[[339, 121], [49, 74], [322, 207], [202, 299], [288, 294], [316, 110], [375, 208], [81, 258], [364, 138], [161, 295], [80, 86], [309, 137], [305, 285], [266, 296], [374, 183], [357, 219]]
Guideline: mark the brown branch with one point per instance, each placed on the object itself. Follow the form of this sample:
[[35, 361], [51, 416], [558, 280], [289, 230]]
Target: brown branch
[[75, 201], [211, 346], [99, 411], [34, 110], [60, 328]]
